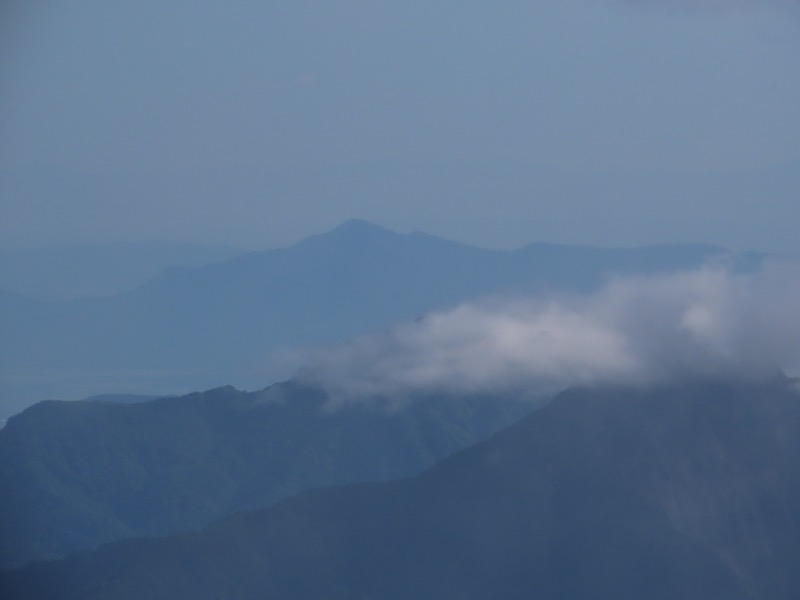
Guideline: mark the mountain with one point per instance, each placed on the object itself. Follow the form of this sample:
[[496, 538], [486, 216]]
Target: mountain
[[75, 475], [120, 398], [191, 328], [66, 272], [675, 493]]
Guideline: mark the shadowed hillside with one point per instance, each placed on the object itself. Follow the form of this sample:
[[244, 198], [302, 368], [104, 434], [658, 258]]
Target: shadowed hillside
[[75, 475], [677, 493]]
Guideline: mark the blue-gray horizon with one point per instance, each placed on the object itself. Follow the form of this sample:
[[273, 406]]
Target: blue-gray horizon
[[606, 123]]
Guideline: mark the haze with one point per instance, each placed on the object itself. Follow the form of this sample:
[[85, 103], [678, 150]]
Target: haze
[[256, 124]]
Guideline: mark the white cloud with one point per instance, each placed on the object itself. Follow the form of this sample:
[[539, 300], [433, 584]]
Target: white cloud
[[694, 324]]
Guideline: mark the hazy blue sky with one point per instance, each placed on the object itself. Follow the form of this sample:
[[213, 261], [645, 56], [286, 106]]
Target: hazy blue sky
[[498, 123]]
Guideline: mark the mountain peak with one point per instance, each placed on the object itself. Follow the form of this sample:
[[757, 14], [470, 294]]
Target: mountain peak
[[352, 232]]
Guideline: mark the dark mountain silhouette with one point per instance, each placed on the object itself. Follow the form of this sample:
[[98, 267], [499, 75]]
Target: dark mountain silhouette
[[677, 493], [191, 328], [75, 475], [121, 398]]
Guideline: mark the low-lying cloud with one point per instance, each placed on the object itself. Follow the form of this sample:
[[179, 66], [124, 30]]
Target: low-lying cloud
[[706, 323]]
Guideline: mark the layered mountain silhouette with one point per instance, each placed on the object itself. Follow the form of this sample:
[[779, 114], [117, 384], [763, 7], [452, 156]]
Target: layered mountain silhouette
[[75, 271], [75, 475], [195, 328], [681, 492]]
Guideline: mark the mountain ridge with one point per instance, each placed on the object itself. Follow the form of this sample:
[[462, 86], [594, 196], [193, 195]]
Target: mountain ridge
[[79, 474], [67, 272], [191, 328], [671, 493]]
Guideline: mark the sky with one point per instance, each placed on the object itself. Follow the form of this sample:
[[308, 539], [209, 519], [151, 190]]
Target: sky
[[255, 124]]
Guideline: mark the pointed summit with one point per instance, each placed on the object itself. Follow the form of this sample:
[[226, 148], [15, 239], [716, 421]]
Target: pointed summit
[[354, 232]]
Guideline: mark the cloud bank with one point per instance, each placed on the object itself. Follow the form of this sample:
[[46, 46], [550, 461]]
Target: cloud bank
[[703, 323]]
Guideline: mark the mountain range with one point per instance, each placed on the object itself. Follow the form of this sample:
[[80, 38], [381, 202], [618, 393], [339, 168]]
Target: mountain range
[[75, 475], [678, 492], [79, 271], [200, 327]]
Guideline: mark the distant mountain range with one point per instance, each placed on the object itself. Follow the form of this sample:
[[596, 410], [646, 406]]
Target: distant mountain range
[[75, 475], [79, 271], [676, 493], [194, 328]]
